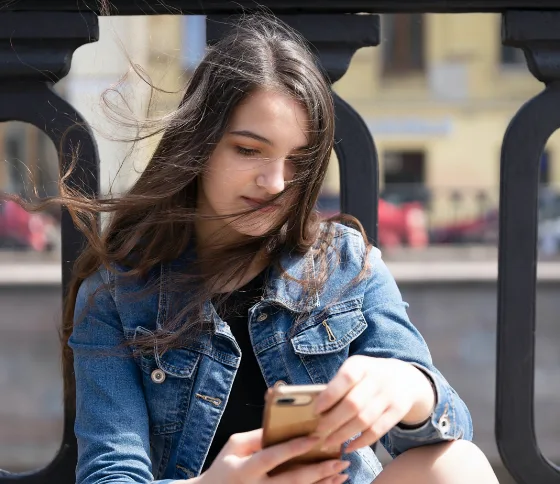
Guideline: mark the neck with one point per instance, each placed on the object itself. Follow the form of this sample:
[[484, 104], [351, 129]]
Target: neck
[[213, 234], [211, 240]]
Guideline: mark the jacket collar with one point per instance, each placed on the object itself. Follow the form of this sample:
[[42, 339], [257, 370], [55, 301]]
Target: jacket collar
[[284, 289]]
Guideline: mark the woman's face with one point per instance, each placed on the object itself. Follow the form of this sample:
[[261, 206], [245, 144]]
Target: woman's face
[[252, 163]]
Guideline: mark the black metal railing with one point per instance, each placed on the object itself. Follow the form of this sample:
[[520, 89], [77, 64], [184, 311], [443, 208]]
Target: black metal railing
[[38, 37]]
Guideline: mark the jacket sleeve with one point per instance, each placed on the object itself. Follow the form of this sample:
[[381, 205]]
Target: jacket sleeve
[[390, 334], [111, 424]]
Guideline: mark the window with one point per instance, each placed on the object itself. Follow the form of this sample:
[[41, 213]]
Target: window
[[403, 43], [404, 176]]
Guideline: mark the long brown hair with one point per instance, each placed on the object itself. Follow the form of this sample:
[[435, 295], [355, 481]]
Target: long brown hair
[[153, 222]]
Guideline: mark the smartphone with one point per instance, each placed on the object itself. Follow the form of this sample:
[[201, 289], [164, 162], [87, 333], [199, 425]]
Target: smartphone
[[289, 413]]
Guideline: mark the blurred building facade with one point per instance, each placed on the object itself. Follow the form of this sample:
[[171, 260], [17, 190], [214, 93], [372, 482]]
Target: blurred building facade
[[437, 95]]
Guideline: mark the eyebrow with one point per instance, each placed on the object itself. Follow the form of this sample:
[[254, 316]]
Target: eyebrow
[[258, 137]]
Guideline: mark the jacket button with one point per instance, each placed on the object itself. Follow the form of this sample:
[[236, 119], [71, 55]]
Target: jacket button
[[444, 424], [279, 383], [158, 376], [262, 317]]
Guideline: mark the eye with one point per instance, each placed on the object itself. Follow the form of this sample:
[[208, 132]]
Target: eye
[[247, 151]]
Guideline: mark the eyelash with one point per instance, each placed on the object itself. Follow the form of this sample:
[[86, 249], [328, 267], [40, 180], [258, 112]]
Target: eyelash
[[246, 151], [253, 152]]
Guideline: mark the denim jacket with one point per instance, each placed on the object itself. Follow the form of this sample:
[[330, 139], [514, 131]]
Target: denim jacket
[[151, 417]]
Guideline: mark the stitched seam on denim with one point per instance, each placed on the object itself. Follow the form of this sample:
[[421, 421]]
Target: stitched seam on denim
[[364, 457], [291, 305], [338, 309], [167, 428], [270, 342], [164, 454], [454, 430], [285, 363], [177, 371], [185, 434], [310, 367], [331, 347]]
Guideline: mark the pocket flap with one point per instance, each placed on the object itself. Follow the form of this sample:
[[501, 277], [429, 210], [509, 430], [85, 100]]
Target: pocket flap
[[178, 362], [330, 334]]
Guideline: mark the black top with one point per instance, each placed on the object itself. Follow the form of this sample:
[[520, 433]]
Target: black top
[[245, 406]]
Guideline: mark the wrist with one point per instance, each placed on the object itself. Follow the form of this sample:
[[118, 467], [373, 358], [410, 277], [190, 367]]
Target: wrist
[[424, 398]]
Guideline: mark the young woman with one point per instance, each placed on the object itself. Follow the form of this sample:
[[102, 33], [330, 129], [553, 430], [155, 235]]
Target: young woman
[[214, 279]]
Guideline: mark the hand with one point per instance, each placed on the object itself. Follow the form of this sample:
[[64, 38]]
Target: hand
[[244, 461], [369, 396]]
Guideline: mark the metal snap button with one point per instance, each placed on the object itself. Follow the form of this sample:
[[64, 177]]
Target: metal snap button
[[279, 383], [444, 424], [262, 317], [158, 376]]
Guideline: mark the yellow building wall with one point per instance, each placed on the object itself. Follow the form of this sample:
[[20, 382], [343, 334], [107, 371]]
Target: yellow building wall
[[467, 155]]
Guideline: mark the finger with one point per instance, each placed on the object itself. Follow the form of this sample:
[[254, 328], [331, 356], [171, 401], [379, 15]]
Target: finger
[[271, 457], [354, 403], [359, 424], [338, 479], [246, 443], [349, 375], [385, 423], [311, 473]]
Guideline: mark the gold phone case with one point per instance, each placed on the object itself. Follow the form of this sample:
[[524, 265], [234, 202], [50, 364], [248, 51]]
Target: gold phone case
[[289, 413]]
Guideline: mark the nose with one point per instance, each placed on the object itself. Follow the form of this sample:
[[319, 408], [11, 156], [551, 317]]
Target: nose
[[272, 176]]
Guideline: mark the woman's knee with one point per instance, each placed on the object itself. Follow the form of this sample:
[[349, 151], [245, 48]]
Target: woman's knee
[[463, 454], [454, 462]]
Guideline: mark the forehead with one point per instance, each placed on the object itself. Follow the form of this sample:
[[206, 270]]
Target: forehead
[[274, 115]]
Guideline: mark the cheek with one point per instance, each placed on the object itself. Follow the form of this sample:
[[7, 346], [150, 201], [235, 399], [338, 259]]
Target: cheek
[[216, 189], [224, 182]]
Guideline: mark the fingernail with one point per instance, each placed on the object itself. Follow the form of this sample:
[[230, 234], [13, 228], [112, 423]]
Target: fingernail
[[341, 465]]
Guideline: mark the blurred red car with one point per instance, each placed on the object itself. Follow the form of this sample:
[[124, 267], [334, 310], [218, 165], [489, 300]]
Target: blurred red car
[[477, 230], [399, 225], [20, 229]]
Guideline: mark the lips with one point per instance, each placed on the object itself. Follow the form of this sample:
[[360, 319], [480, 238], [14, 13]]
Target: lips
[[260, 205]]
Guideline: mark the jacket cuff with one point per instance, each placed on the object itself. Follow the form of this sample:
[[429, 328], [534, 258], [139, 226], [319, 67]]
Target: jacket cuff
[[442, 424]]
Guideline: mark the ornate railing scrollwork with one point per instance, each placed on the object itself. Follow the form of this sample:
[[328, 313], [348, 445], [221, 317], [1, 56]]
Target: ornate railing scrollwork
[[538, 34], [35, 52]]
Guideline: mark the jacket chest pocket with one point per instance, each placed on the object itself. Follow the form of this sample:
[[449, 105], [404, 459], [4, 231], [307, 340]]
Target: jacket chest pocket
[[324, 345], [168, 380]]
